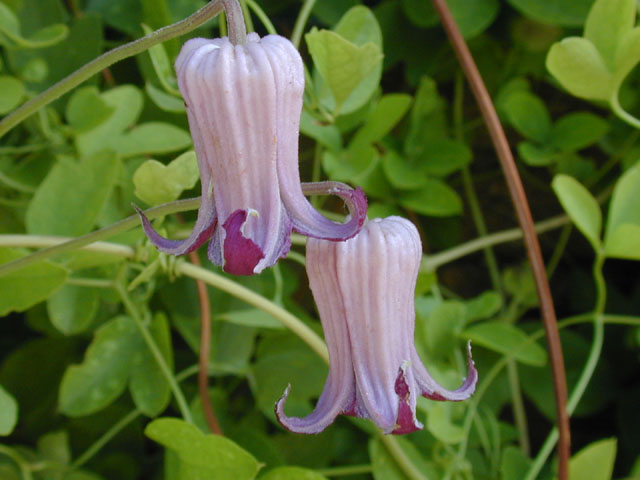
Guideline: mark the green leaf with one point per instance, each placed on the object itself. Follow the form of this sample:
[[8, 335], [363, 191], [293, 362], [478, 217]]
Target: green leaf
[[12, 92], [440, 425], [8, 408], [528, 115], [515, 464], [627, 55], [570, 13], [251, 318], [577, 65], [576, 131], [163, 100], [148, 385], [162, 66], [72, 195], [342, 64], [471, 17], [156, 183], [581, 206], [385, 466], [385, 115], [359, 25], [535, 155], [508, 340], [102, 376], [54, 447], [442, 326], [608, 22], [291, 473], [210, 457], [127, 101], [152, 138], [86, 109], [595, 461], [9, 24], [72, 308], [403, 173], [483, 306], [442, 157], [436, 199], [24, 288], [46, 37], [623, 223], [624, 242], [327, 135]]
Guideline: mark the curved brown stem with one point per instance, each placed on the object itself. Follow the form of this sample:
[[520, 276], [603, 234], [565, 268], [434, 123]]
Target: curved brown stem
[[205, 348], [525, 219]]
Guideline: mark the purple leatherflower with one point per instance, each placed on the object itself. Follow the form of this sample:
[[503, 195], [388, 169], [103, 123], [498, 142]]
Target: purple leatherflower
[[364, 290], [244, 103]]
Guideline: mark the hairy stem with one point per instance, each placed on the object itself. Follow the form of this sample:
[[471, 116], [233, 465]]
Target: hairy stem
[[210, 10]]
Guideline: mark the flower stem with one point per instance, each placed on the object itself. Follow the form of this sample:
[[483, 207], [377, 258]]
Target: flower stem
[[155, 351], [235, 22], [55, 247], [301, 21], [210, 10]]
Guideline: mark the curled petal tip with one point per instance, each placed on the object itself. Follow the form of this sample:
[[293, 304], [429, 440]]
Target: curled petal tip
[[241, 254], [205, 225]]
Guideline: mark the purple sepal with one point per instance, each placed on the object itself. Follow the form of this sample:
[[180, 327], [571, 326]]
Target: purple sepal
[[406, 419], [202, 231], [241, 254]]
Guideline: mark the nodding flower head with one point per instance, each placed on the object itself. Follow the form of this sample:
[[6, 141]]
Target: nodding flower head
[[244, 103], [364, 289]]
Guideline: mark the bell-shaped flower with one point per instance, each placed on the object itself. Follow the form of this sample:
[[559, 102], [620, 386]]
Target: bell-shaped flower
[[364, 290], [243, 104]]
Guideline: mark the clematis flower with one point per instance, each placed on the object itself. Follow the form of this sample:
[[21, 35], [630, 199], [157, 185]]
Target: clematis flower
[[244, 103], [364, 289]]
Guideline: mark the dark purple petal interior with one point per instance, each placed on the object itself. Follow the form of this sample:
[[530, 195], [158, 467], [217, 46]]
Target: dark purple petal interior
[[241, 254], [405, 419]]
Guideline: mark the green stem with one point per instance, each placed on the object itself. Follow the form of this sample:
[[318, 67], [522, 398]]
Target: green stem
[[469, 189], [432, 262], [401, 458], [558, 251], [90, 452], [621, 113], [90, 282], [589, 368], [290, 321], [107, 59], [102, 234], [345, 470], [297, 257], [18, 460], [301, 21], [155, 351], [518, 406], [262, 16]]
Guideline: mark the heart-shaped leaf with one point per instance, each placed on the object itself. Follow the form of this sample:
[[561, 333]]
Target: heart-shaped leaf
[[578, 66], [156, 183], [608, 22]]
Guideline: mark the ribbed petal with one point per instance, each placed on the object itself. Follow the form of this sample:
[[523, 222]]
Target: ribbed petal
[[339, 390], [230, 92], [380, 318], [289, 74]]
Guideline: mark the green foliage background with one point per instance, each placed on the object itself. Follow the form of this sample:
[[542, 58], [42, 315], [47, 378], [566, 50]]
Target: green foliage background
[[99, 346]]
